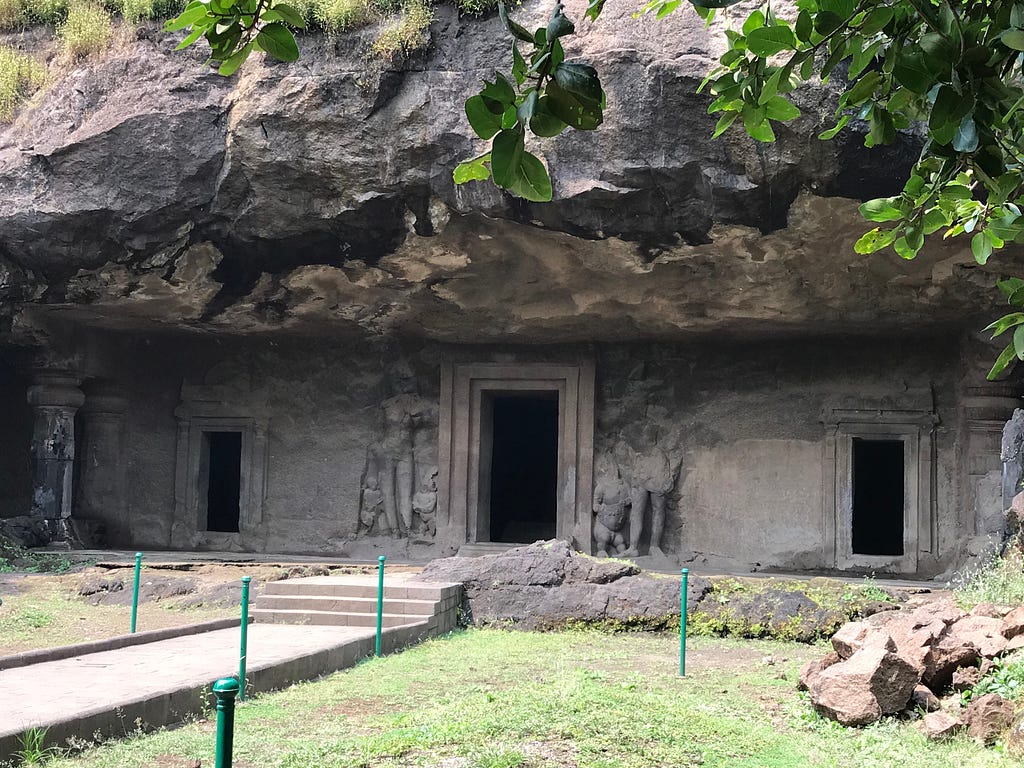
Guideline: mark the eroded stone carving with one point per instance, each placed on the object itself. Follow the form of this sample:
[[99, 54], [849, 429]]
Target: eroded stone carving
[[424, 503], [610, 495], [650, 474], [1012, 456], [390, 497]]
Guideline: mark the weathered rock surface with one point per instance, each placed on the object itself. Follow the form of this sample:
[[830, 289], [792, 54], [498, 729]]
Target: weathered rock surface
[[548, 585], [988, 716], [923, 698], [873, 682], [940, 725], [144, 190]]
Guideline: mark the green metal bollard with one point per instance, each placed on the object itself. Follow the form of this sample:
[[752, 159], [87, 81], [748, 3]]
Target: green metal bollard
[[245, 637], [380, 601], [135, 590], [682, 624], [225, 690]]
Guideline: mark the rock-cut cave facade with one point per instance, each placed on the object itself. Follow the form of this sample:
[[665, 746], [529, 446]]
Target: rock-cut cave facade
[[297, 336]]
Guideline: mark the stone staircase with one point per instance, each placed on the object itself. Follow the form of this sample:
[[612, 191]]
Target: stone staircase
[[351, 601]]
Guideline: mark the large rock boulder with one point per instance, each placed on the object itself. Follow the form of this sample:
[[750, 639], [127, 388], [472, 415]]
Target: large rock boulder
[[873, 682], [988, 717], [548, 585]]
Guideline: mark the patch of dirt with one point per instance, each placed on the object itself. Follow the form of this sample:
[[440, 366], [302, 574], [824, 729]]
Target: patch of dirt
[[561, 753], [357, 708]]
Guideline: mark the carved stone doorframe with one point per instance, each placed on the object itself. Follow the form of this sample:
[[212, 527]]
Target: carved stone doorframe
[[462, 457]]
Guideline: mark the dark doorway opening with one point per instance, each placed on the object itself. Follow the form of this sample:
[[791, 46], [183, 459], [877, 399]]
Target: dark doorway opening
[[524, 467], [878, 497], [223, 480]]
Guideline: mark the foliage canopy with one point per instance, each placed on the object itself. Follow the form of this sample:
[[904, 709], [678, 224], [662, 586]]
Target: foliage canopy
[[949, 71]]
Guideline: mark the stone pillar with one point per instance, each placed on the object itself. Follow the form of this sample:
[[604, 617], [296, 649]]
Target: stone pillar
[[100, 496], [54, 397]]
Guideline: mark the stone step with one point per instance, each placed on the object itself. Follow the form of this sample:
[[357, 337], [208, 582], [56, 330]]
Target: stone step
[[481, 548], [326, 586], [337, 604], [332, 618]]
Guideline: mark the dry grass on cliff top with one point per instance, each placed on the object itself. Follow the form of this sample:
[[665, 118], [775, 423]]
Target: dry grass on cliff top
[[494, 699]]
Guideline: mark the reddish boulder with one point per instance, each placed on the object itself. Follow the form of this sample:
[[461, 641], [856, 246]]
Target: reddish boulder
[[988, 610], [1013, 623], [944, 657], [988, 716], [871, 683], [1015, 643], [966, 678], [923, 698], [940, 725], [984, 633], [811, 669]]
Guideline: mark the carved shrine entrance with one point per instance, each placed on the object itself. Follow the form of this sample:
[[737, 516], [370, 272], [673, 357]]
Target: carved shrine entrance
[[516, 453]]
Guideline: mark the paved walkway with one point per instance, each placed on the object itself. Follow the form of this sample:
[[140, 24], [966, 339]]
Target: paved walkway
[[165, 681]]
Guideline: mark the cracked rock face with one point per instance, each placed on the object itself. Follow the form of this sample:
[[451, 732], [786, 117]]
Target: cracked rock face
[[141, 190]]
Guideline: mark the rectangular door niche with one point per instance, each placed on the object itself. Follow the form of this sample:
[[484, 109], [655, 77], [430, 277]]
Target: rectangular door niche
[[870, 437], [467, 394], [205, 412]]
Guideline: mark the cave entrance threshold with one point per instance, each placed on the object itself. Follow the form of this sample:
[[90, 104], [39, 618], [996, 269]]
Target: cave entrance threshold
[[519, 467], [515, 454]]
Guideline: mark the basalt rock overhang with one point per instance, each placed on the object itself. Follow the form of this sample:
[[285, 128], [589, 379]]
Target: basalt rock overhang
[[141, 191]]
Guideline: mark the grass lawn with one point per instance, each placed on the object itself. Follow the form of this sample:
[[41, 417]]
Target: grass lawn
[[493, 699]]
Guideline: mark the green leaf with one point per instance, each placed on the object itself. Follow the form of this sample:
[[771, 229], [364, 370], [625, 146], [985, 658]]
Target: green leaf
[[724, 122], [192, 36], [882, 128], [1004, 323], [559, 25], [532, 181], [518, 65], [482, 120], [473, 170], [192, 13], [981, 248], [1018, 341], [568, 107], [594, 9], [876, 20], [582, 81], [826, 22], [904, 248], [544, 123], [1002, 362], [526, 110], [1013, 38], [966, 137], [767, 41], [804, 26], [875, 240], [290, 15], [831, 132], [863, 88], [278, 41], [516, 30], [881, 209], [780, 108], [500, 90], [754, 21], [233, 62], [911, 70], [1010, 285], [506, 157]]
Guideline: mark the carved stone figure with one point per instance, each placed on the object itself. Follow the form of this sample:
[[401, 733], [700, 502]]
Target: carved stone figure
[[1012, 455], [372, 504], [394, 463], [651, 475], [609, 510], [424, 503]]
